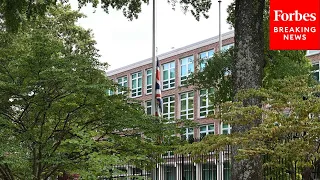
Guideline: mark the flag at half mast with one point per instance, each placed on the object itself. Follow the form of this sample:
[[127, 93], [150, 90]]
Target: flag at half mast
[[158, 109]]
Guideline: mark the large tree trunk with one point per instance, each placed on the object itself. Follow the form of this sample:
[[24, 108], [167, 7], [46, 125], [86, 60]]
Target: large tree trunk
[[249, 63]]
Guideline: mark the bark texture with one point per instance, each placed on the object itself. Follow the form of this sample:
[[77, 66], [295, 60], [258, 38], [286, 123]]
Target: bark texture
[[249, 64]]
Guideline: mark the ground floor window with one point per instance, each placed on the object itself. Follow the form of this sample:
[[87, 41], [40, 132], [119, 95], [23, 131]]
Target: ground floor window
[[189, 172], [209, 171], [169, 173], [227, 170]]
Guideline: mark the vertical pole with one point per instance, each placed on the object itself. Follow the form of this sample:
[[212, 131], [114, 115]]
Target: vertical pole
[[153, 103], [221, 158], [220, 38]]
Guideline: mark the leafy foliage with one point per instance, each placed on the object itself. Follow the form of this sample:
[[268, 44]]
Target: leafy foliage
[[55, 115], [216, 74], [280, 65], [14, 11], [219, 68], [288, 137]]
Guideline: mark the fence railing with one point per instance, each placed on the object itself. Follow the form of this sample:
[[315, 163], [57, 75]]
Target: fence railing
[[206, 167], [180, 167]]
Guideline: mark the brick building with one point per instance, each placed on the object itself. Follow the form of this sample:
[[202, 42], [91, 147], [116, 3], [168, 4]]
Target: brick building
[[179, 101], [184, 102]]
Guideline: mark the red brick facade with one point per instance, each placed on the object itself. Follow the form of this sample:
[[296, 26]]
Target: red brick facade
[[178, 89]]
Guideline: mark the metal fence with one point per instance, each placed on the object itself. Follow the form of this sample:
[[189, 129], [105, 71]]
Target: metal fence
[[285, 169], [208, 167], [181, 167]]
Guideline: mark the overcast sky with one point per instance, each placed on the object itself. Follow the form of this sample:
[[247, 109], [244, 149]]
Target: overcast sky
[[122, 42]]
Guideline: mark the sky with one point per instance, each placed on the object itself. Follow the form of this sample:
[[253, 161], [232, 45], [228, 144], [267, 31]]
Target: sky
[[122, 42]]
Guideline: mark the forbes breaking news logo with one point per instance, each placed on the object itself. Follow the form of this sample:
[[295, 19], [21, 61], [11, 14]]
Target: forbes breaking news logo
[[294, 25], [294, 33]]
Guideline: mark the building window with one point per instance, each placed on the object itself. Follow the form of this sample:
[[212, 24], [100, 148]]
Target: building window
[[123, 82], [148, 107], [203, 58], [225, 128], [206, 105], [315, 71], [169, 172], [168, 154], [148, 81], [110, 92], [189, 171], [186, 68], [188, 134], [227, 170], [136, 79], [205, 130], [312, 52], [168, 74], [186, 105], [168, 107], [226, 47], [209, 170]]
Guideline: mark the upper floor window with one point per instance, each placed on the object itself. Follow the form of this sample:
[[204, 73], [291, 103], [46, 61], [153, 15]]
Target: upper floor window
[[110, 92], [148, 81], [188, 134], [136, 79], [316, 71], [205, 130], [186, 68], [206, 105], [226, 47], [168, 107], [312, 52], [186, 105], [203, 57], [225, 128], [169, 154], [123, 82], [168, 72], [148, 107]]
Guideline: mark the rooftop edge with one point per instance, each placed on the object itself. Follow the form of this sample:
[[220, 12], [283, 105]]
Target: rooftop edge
[[174, 52]]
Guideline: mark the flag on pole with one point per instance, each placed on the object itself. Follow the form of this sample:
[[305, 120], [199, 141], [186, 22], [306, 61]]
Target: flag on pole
[[158, 109]]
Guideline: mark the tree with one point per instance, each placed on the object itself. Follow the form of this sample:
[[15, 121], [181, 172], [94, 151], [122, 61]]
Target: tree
[[280, 65], [13, 11], [55, 115], [243, 64], [218, 72], [287, 138], [248, 73], [249, 49]]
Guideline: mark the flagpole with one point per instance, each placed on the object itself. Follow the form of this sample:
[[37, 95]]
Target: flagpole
[[221, 158], [153, 101], [220, 38], [153, 57]]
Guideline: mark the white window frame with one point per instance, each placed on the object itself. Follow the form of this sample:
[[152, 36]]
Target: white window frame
[[226, 47], [148, 105], [203, 58], [110, 92], [206, 131], [208, 108], [170, 82], [169, 154], [123, 83], [189, 132], [188, 112], [316, 70], [189, 64], [312, 52], [148, 86], [137, 91], [228, 128], [168, 102]]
